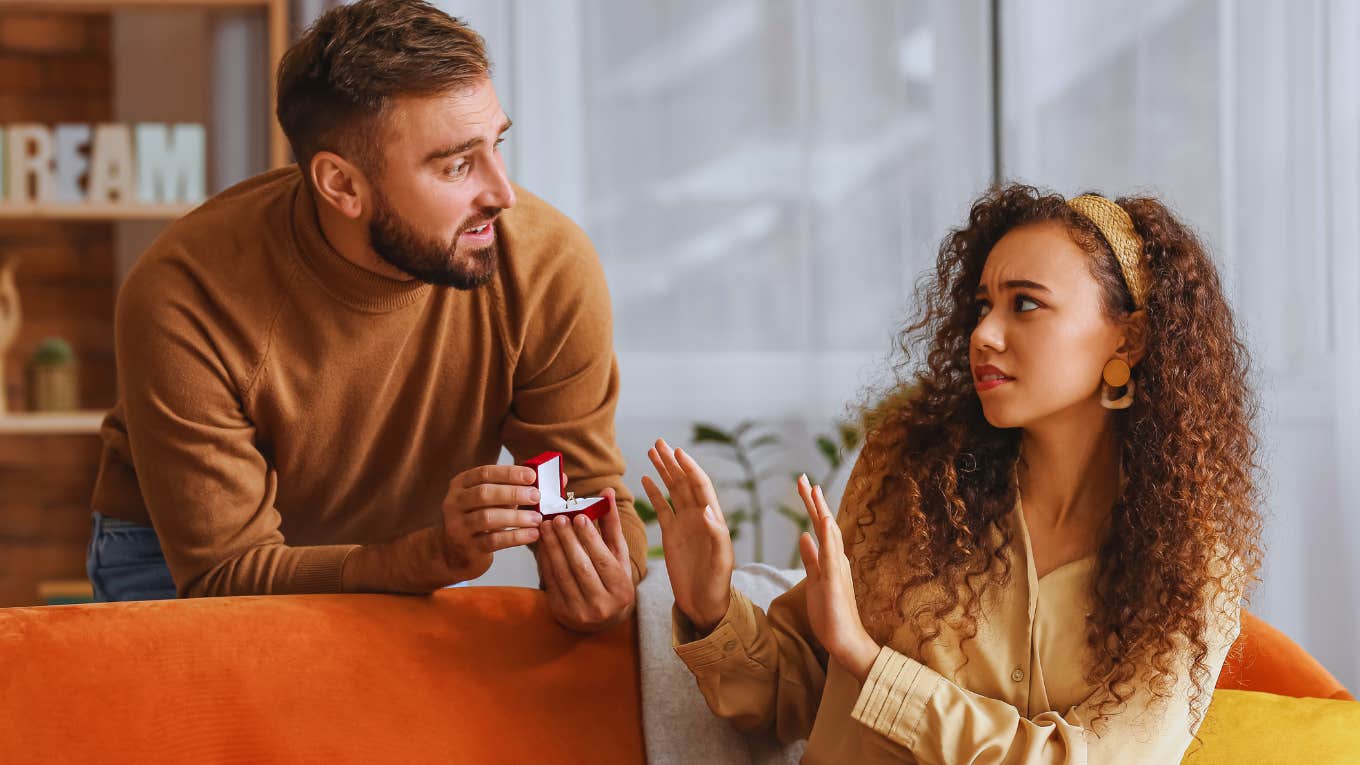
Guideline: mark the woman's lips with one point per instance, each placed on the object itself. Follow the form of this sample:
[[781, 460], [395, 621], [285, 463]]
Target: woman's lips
[[983, 385], [987, 377]]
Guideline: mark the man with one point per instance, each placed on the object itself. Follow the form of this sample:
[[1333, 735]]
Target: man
[[318, 367]]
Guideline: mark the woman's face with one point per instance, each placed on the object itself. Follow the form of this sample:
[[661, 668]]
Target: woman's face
[[1042, 336]]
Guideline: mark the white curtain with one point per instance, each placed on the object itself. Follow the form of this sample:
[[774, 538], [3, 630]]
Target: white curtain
[[763, 179], [1243, 115]]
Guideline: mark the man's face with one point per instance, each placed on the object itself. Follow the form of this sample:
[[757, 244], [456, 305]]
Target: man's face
[[442, 184]]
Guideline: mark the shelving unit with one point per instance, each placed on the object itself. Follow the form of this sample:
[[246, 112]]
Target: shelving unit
[[109, 212], [277, 20], [49, 423], [277, 15]]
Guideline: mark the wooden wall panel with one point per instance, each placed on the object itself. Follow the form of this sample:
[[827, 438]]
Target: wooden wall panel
[[54, 68]]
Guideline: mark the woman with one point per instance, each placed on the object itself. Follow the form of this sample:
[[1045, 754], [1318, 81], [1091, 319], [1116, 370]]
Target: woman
[[1044, 544]]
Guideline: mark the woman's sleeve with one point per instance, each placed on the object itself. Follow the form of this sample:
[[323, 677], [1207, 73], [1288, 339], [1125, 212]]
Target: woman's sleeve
[[761, 670], [939, 722], [755, 669]]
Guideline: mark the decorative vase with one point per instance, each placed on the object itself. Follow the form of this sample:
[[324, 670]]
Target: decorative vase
[[9, 320]]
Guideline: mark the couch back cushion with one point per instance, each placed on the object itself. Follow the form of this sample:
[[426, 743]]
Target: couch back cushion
[[1244, 727], [477, 674], [1264, 659]]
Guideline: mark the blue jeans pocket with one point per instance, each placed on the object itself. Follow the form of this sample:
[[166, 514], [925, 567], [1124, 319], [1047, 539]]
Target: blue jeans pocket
[[125, 562]]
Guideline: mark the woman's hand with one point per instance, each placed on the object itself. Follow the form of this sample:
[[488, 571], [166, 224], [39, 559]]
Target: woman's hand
[[694, 536], [831, 590]]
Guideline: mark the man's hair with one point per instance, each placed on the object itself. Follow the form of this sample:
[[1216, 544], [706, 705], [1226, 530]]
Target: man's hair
[[336, 82]]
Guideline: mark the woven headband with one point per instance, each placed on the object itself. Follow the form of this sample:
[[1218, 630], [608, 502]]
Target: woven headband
[[1117, 228]]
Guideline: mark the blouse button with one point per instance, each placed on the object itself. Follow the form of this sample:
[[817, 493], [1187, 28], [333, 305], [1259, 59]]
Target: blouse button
[[730, 645], [1018, 675]]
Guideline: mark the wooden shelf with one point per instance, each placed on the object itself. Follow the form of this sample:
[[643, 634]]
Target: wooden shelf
[[94, 211], [276, 15], [44, 423], [55, 592]]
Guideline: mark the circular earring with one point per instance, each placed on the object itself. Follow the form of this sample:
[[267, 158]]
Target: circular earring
[[1116, 374]]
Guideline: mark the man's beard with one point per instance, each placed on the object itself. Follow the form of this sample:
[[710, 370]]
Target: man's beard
[[397, 242]]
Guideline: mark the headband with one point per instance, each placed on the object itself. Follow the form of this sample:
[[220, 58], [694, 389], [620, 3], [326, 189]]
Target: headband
[[1116, 226]]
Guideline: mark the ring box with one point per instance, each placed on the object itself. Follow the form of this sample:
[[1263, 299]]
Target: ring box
[[551, 503]]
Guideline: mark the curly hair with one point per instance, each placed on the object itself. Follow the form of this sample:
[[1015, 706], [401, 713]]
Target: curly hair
[[938, 481]]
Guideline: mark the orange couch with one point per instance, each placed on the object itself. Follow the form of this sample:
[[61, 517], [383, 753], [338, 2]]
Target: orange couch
[[478, 674]]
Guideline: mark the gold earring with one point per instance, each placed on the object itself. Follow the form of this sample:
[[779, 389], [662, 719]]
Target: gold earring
[[1116, 374]]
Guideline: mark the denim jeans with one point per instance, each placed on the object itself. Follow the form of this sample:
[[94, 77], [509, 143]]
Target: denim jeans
[[125, 562]]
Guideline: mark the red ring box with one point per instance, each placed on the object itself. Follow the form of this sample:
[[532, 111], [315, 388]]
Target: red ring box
[[551, 503]]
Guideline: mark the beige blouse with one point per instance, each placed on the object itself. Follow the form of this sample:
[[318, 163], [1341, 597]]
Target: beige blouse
[[1021, 698]]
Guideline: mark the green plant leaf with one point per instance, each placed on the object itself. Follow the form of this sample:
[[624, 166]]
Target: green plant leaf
[[729, 452], [644, 510], [704, 433], [656, 552], [741, 428], [798, 517], [850, 436], [829, 450], [53, 350], [769, 439]]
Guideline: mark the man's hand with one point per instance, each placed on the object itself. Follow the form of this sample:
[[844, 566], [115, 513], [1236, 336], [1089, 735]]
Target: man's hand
[[586, 574], [480, 516]]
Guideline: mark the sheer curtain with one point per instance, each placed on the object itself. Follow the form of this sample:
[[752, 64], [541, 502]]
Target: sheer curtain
[[763, 179], [1243, 115]]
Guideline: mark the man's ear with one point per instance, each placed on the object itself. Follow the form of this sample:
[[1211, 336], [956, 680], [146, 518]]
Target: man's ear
[[339, 183], [1134, 342]]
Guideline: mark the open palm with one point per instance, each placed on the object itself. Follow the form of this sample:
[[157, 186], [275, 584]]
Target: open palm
[[830, 588], [694, 536]]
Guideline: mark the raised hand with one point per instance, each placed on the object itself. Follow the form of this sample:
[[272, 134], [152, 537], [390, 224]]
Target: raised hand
[[830, 588], [694, 535]]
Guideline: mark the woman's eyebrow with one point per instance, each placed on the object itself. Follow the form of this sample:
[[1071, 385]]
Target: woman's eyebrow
[[1017, 284]]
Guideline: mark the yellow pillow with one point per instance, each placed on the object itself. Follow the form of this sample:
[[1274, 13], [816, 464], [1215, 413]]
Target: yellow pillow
[[1248, 727]]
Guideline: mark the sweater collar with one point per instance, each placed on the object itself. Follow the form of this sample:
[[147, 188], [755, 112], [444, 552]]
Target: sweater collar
[[351, 284]]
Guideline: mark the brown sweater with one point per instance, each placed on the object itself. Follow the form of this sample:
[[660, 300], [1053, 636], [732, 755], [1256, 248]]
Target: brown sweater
[[279, 405]]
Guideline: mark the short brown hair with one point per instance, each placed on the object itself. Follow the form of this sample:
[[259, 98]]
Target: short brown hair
[[336, 82]]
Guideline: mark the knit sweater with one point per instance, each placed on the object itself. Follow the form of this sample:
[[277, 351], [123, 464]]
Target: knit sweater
[[279, 405]]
